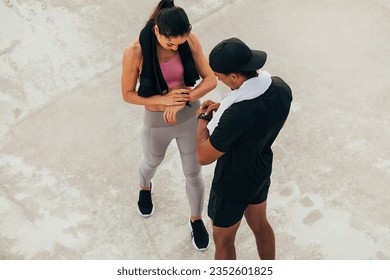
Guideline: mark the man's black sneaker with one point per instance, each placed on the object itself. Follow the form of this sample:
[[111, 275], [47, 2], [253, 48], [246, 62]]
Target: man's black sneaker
[[199, 235], [145, 205]]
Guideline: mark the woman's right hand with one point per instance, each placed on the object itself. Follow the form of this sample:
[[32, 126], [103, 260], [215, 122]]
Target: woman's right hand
[[176, 97], [170, 113]]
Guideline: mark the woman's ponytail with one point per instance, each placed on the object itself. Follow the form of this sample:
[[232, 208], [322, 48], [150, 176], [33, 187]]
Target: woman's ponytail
[[170, 4], [172, 21], [162, 5]]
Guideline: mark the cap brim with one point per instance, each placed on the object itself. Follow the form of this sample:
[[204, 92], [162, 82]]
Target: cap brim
[[257, 61]]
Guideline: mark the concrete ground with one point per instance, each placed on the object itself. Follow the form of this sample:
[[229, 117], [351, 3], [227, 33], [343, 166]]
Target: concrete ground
[[69, 145]]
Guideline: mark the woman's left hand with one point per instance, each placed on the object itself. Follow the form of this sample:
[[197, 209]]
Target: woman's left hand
[[170, 113]]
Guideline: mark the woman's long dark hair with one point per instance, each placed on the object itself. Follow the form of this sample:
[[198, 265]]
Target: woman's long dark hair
[[172, 21]]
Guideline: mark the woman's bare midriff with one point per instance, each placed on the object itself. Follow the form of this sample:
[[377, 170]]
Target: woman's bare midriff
[[161, 108]]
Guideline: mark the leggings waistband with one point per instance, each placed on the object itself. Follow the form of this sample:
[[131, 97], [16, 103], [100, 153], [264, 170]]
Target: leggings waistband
[[155, 119]]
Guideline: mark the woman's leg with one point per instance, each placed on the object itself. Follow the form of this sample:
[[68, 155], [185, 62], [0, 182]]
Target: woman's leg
[[186, 138], [186, 142], [155, 141]]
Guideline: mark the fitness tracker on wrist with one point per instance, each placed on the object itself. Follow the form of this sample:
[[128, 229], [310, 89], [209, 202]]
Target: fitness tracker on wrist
[[203, 116]]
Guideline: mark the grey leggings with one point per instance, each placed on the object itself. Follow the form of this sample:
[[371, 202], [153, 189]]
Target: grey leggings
[[156, 136]]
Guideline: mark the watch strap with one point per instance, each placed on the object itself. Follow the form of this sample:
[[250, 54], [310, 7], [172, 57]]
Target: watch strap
[[204, 116]]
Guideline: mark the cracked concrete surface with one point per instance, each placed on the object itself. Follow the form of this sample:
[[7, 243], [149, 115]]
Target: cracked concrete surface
[[69, 145]]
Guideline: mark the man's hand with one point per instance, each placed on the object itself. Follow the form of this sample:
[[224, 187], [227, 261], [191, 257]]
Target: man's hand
[[208, 107]]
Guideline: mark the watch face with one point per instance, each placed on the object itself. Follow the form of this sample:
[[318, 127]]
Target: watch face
[[204, 116]]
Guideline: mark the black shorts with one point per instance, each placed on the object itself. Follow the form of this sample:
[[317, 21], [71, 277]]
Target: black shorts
[[225, 213]]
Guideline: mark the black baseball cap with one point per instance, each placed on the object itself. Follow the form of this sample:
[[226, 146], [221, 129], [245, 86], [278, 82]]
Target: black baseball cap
[[233, 55]]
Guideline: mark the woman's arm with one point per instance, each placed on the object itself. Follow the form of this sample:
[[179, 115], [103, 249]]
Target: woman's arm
[[132, 59], [209, 81]]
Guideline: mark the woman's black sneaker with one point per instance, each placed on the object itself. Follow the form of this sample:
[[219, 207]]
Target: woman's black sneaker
[[145, 205], [199, 236]]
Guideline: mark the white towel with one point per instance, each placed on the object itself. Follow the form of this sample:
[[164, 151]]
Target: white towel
[[250, 89]]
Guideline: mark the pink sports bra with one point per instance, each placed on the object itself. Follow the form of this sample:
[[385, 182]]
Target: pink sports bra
[[173, 71]]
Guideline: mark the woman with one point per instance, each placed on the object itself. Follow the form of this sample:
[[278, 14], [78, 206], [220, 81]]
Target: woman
[[167, 60]]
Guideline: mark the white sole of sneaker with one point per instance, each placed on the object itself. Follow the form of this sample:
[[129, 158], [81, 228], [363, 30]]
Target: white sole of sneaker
[[151, 187], [193, 241]]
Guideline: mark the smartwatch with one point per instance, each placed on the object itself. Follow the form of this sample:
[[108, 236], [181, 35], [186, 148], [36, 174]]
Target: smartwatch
[[203, 116]]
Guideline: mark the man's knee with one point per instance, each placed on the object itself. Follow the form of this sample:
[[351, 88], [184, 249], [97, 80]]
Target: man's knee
[[261, 227], [225, 236], [223, 239]]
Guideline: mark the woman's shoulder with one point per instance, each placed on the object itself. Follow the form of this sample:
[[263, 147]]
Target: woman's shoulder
[[193, 42], [133, 50]]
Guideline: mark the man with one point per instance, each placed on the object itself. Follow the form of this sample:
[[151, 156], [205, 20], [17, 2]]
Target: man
[[238, 133]]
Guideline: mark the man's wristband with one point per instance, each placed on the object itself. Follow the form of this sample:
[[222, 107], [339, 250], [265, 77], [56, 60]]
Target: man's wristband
[[203, 116]]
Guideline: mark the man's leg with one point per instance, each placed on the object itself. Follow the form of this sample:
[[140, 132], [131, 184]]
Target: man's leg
[[256, 217], [224, 242]]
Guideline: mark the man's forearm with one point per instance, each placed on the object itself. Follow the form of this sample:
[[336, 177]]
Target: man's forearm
[[205, 152], [202, 135]]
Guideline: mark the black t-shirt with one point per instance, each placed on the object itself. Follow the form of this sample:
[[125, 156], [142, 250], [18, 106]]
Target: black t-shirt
[[245, 133]]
